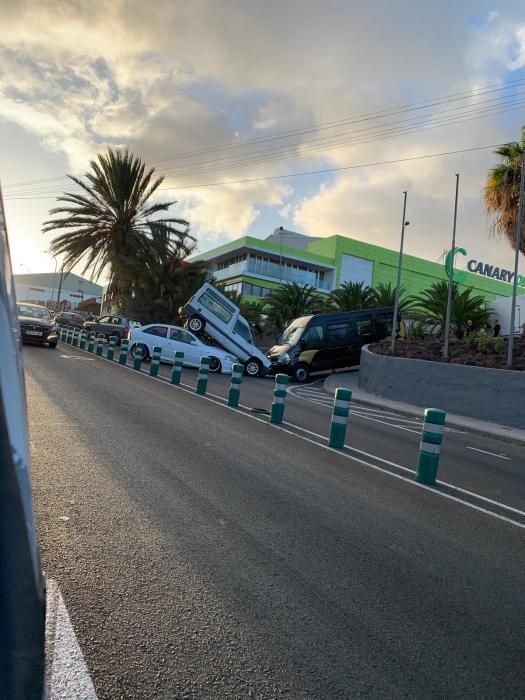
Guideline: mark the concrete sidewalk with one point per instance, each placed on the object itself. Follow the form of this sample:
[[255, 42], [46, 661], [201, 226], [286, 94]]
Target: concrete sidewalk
[[350, 380]]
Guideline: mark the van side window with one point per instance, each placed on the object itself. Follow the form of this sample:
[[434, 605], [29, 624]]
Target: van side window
[[313, 337], [337, 333], [364, 326], [242, 329], [214, 305]]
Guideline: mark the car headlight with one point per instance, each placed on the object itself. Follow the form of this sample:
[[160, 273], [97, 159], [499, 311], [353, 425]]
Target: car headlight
[[283, 359]]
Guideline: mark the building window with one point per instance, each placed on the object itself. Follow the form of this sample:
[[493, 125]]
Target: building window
[[354, 269]]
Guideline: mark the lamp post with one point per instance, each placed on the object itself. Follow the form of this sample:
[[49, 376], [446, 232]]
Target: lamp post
[[451, 273], [517, 246], [400, 265]]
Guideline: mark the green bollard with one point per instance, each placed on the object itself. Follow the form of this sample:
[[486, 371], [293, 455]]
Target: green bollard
[[430, 447], [111, 347], [91, 344], [139, 354], [155, 361], [123, 357], [277, 413], [178, 361], [202, 381], [62, 333], [83, 336], [235, 385], [100, 344], [339, 418], [76, 333], [68, 336]]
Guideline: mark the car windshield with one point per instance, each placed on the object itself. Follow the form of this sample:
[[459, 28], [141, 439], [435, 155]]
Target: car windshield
[[33, 311], [294, 331]]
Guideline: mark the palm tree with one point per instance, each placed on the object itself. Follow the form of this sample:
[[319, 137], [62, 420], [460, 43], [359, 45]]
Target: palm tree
[[352, 296], [106, 222], [166, 280], [385, 295], [291, 301], [430, 307], [501, 193]]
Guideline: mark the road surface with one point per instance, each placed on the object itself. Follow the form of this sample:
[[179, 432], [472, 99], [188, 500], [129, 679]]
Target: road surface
[[203, 553]]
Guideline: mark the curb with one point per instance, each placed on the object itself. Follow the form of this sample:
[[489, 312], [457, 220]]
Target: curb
[[454, 421]]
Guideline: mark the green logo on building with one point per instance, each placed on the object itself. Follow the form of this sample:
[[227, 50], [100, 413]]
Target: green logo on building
[[459, 275]]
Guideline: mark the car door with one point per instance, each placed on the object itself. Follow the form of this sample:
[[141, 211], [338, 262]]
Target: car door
[[152, 336], [340, 344], [181, 340], [100, 326]]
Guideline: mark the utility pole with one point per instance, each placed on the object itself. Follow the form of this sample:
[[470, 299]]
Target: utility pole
[[400, 265], [451, 273], [516, 263]]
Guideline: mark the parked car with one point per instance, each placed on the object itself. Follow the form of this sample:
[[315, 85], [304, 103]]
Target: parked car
[[119, 326], [209, 309], [37, 325], [172, 339], [329, 341], [69, 318]]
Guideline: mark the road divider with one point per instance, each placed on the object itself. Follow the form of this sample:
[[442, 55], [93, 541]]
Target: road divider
[[176, 373], [91, 345], [235, 385], [123, 357], [100, 344], [339, 421], [68, 335], [111, 347], [202, 381], [138, 354], [83, 337], [430, 446], [76, 333], [155, 361], [279, 394]]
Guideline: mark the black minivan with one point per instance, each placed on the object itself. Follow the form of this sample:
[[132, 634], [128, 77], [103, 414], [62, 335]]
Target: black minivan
[[329, 341]]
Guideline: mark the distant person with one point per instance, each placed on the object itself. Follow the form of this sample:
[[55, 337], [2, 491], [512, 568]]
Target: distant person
[[470, 327], [497, 329]]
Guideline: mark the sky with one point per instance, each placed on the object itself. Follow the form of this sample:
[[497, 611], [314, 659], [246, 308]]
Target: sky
[[206, 92]]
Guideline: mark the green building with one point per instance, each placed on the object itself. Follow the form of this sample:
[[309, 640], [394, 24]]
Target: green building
[[255, 267]]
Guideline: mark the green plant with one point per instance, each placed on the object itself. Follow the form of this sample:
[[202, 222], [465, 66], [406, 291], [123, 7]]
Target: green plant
[[499, 345], [107, 223], [501, 193], [352, 296], [291, 301], [430, 307], [385, 295], [416, 331]]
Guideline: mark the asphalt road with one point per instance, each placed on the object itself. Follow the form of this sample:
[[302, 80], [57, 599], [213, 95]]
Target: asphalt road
[[203, 553]]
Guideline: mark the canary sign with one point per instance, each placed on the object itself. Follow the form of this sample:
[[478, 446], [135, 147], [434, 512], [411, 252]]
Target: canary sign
[[497, 273]]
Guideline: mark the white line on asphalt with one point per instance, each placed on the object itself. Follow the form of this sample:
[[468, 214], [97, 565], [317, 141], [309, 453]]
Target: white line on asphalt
[[67, 675], [220, 401], [485, 452]]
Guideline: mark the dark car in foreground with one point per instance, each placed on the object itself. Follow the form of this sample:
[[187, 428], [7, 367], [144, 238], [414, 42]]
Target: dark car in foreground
[[118, 326], [37, 325]]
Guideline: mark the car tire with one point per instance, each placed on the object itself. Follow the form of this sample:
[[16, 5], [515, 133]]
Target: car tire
[[215, 365], [145, 350], [196, 324], [53, 344], [118, 338], [252, 367], [300, 372]]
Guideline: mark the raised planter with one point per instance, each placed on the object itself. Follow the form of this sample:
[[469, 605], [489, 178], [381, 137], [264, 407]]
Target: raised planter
[[495, 395]]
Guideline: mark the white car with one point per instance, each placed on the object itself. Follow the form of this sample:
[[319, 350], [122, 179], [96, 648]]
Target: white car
[[172, 339]]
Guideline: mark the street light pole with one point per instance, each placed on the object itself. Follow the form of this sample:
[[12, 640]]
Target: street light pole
[[516, 263], [451, 273], [400, 265]]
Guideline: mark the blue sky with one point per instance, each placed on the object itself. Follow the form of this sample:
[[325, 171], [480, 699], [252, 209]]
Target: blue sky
[[187, 77]]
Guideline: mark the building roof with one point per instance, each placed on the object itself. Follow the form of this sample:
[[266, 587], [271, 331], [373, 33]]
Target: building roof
[[71, 282]]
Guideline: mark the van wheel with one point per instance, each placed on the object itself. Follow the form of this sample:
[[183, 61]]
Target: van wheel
[[215, 365], [300, 372], [253, 367], [196, 324]]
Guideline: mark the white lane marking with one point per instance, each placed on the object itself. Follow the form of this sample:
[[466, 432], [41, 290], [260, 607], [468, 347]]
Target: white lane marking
[[413, 471], [220, 401], [67, 675], [485, 452], [74, 357]]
